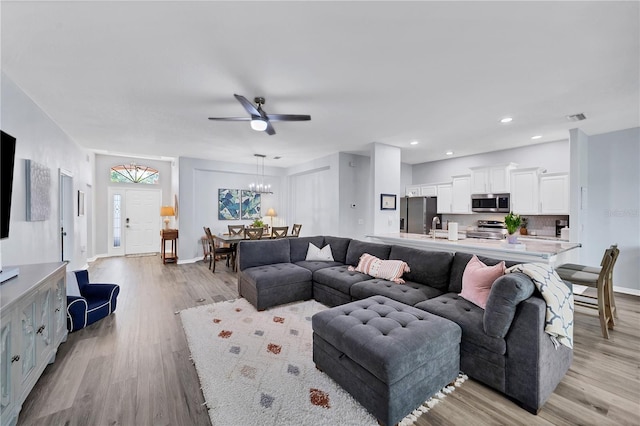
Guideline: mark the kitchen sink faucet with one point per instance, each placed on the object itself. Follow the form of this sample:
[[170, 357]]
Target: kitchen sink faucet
[[435, 221]]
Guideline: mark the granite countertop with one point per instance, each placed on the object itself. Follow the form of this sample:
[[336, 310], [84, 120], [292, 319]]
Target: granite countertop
[[529, 248]]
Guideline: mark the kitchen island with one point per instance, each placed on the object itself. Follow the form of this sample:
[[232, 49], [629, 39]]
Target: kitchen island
[[551, 252]]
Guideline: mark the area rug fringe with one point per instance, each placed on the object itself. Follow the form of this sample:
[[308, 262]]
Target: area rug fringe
[[435, 399]]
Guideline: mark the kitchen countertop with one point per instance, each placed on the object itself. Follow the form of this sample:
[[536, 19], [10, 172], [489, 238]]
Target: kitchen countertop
[[529, 250]]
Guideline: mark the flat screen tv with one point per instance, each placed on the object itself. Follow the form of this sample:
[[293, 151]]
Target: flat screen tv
[[7, 159]]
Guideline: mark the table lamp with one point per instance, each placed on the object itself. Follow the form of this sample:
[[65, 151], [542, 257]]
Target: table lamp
[[271, 213], [166, 211]]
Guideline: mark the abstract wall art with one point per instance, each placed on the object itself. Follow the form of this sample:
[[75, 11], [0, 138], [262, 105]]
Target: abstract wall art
[[38, 191], [228, 204], [250, 205]]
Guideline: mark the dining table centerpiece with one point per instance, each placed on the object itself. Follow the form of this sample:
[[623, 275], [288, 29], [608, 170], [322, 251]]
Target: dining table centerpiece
[[512, 222]]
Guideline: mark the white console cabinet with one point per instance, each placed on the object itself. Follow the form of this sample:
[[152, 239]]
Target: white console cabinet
[[32, 326]]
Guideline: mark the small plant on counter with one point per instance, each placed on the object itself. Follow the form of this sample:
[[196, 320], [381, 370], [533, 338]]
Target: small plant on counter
[[512, 222]]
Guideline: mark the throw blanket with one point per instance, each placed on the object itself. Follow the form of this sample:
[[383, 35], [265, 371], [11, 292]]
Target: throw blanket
[[558, 297]]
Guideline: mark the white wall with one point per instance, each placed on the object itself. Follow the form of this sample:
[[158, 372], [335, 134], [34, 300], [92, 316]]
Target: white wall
[[39, 138], [385, 179], [554, 156], [103, 165], [613, 204], [355, 218]]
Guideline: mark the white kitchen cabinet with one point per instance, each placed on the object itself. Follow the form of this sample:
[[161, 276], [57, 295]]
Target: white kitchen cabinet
[[525, 190], [30, 331], [428, 190], [445, 197], [461, 194], [491, 180], [412, 191], [554, 193]]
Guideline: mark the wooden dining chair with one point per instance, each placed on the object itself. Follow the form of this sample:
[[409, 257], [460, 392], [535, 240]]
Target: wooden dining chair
[[253, 233], [295, 230], [279, 232], [236, 230], [599, 278], [216, 252]]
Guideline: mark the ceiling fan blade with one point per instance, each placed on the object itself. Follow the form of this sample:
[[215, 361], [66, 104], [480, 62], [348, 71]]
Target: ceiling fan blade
[[251, 108], [230, 118], [288, 117], [270, 130]]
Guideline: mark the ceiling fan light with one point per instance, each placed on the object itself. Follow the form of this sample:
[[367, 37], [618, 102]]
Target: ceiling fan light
[[258, 124]]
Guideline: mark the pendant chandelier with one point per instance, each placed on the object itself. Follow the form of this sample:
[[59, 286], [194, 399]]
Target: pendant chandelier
[[259, 186]]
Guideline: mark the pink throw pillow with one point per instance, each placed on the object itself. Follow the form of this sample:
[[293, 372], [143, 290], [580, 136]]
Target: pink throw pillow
[[390, 270], [477, 280]]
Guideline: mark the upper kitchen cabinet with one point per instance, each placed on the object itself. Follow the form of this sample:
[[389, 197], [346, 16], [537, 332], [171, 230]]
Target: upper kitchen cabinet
[[525, 190], [554, 193], [461, 194], [494, 179], [412, 191], [428, 191], [445, 198]]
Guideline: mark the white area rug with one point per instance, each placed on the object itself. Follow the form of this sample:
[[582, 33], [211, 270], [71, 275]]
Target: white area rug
[[256, 368]]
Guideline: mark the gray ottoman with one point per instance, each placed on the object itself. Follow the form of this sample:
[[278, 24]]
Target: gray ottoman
[[389, 356]]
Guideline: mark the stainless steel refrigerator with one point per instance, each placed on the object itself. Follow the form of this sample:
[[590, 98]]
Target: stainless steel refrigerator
[[417, 213]]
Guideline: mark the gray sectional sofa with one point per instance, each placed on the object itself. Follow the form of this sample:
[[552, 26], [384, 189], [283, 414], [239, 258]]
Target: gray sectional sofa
[[503, 346]]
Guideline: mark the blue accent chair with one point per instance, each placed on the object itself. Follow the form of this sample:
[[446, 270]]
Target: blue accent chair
[[96, 302]]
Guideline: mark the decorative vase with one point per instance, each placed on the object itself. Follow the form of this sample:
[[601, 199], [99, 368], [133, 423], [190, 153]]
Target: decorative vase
[[512, 239]]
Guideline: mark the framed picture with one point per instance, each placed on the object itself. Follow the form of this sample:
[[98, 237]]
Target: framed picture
[[80, 203], [250, 201], [387, 201], [228, 204]]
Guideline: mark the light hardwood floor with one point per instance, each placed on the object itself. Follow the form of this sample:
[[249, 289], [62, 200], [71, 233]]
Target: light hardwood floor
[[133, 368]]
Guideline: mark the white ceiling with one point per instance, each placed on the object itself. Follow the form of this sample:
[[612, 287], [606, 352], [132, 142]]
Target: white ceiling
[[142, 77]]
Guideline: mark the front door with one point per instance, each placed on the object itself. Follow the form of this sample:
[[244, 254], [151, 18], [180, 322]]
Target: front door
[[142, 221]]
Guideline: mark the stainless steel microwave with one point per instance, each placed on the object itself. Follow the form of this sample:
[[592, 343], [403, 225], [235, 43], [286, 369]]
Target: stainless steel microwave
[[490, 203]]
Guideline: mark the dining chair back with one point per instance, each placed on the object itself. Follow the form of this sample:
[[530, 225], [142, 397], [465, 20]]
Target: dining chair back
[[600, 278], [236, 230], [279, 231], [216, 252], [295, 230], [253, 233]]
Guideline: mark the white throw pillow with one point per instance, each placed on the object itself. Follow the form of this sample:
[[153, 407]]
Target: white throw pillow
[[72, 285], [319, 255]]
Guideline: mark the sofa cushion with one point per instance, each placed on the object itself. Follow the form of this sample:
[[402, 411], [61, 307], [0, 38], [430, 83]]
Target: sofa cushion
[[427, 267], [506, 293], [357, 248], [459, 264], [263, 252], [300, 245], [391, 270], [315, 265], [266, 276], [468, 316], [409, 293], [339, 278], [339, 247], [477, 280]]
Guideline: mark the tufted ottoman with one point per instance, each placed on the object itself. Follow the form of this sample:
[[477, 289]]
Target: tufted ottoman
[[389, 356]]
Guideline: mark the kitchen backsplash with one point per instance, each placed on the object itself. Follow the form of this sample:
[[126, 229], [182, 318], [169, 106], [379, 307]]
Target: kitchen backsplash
[[540, 225]]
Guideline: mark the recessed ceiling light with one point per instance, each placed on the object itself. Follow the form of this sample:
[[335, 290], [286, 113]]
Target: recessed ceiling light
[[413, 143], [536, 137], [449, 153], [506, 120]]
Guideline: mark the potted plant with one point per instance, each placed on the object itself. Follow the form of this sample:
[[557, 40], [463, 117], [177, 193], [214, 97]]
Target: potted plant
[[523, 226], [512, 222], [258, 223]]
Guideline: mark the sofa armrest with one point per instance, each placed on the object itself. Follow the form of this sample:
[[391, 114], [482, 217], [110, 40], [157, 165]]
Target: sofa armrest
[[101, 291], [506, 293], [76, 313]]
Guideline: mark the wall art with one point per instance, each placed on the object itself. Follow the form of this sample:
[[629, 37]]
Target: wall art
[[38, 191], [228, 204], [250, 205]]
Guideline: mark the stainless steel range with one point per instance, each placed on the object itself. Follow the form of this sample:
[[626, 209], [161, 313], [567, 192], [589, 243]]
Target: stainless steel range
[[489, 229]]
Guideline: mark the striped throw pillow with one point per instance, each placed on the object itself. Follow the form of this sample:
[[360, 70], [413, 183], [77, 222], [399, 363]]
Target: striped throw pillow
[[391, 270]]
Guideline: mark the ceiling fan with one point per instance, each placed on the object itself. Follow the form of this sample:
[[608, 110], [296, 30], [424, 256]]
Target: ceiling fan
[[260, 120]]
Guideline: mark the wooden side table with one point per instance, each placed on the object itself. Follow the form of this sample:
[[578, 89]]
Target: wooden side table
[[169, 235]]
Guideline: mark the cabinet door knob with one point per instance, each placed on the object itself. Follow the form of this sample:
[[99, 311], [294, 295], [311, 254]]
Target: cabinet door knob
[[15, 358], [57, 309], [40, 329]]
